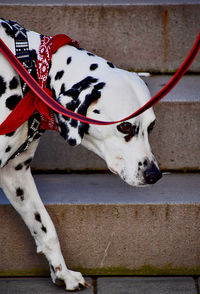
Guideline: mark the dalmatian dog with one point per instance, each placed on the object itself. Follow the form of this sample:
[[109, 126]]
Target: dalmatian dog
[[89, 85]]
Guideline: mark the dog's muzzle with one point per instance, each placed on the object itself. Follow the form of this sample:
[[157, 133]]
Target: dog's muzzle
[[152, 174]]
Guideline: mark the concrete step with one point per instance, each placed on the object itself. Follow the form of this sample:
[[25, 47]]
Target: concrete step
[[175, 140], [146, 285], [148, 35], [34, 286], [115, 285], [108, 227]]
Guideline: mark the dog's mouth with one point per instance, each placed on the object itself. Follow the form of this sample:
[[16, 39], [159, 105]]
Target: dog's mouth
[[113, 171], [143, 179]]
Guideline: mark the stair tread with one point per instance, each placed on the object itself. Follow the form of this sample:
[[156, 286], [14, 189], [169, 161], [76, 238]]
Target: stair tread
[[109, 189], [101, 2], [187, 89]]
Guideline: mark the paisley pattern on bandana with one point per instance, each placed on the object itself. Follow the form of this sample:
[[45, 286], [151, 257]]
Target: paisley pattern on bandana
[[43, 61]]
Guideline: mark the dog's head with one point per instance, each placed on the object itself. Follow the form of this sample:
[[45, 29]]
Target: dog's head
[[91, 86]]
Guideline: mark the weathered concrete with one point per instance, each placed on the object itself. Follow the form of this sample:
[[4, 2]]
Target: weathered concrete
[[154, 38], [33, 286], [110, 189], [98, 2], [175, 140], [115, 285], [99, 237], [146, 285]]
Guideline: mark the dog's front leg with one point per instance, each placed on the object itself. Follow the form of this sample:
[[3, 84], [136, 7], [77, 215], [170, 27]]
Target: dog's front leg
[[19, 187]]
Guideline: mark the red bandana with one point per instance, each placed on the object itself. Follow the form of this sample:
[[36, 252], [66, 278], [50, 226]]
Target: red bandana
[[30, 103], [44, 58]]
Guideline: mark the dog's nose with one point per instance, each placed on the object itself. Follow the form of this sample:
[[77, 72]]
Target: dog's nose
[[152, 174]]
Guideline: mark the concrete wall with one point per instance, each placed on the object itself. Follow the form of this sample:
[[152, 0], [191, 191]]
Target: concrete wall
[[153, 38]]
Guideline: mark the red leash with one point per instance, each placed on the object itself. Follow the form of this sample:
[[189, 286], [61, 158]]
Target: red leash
[[52, 104]]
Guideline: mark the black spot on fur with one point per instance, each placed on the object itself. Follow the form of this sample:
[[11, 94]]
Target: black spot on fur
[[74, 123], [93, 66], [8, 149], [110, 64], [89, 98], [10, 134], [19, 166], [74, 93], [93, 96], [83, 129], [38, 217], [0, 162], [76, 90], [96, 111], [12, 101], [69, 59], [13, 83], [8, 30], [44, 229], [20, 193], [62, 89], [59, 75], [85, 83], [28, 161], [72, 142], [99, 86], [64, 130], [73, 105], [90, 54], [2, 86]]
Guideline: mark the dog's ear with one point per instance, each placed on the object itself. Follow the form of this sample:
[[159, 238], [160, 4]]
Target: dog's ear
[[72, 130], [78, 99]]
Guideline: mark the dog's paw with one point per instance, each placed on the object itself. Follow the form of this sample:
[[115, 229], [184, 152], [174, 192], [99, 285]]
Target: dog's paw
[[72, 280], [75, 281]]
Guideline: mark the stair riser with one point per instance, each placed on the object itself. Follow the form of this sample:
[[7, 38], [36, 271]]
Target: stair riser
[[111, 239], [154, 38]]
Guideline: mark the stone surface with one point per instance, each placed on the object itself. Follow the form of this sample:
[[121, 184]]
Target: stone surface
[[146, 286], [154, 38], [110, 189], [115, 285], [98, 2], [33, 286], [139, 238]]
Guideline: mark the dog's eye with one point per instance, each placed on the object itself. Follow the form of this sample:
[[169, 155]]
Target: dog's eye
[[150, 127], [125, 127]]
